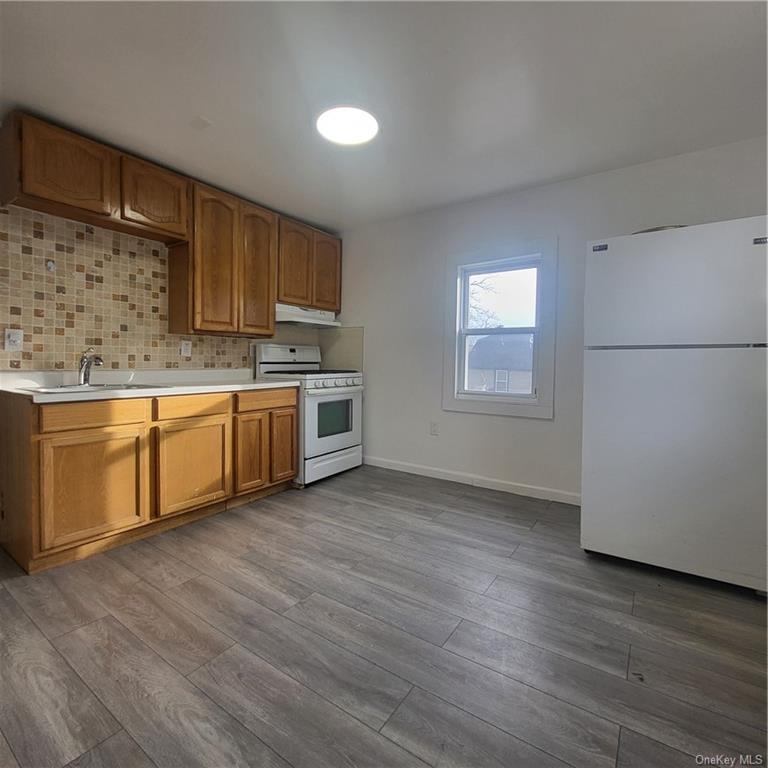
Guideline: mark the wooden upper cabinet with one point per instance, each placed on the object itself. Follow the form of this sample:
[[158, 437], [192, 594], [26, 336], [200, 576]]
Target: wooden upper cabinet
[[326, 272], [215, 261], [65, 168], [154, 197], [258, 270], [295, 268], [309, 268]]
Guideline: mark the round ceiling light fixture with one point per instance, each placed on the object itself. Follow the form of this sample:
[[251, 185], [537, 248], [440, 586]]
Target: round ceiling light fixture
[[347, 125]]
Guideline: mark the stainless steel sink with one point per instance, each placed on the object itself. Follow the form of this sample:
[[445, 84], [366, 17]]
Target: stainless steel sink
[[88, 388]]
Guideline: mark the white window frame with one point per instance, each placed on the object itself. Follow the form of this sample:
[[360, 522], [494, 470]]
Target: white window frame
[[540, 404]]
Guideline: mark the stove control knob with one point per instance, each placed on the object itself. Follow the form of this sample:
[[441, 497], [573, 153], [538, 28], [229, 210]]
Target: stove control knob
[[315, 383], [357, 382], [340, 382], [328, 383]]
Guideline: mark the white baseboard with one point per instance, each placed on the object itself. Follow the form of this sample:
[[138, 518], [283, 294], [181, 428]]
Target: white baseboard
[[538, 492]]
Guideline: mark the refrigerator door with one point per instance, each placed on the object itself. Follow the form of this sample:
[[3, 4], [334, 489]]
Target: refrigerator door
[[674, 460], [697, 285]]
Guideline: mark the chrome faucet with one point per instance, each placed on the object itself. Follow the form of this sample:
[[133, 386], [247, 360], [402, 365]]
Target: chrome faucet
[[87, 359]]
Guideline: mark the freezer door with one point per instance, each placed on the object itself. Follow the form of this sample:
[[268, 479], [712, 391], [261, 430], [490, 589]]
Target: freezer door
[[698, 285], [674, 460]]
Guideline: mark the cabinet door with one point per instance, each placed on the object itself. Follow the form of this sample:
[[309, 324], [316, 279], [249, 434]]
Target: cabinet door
[[194, 463], [251, 451], [154, 197], [283, 444], [295, 267], [326, 272], [65, 168], [215, 260], [92, 483], [258, 270]]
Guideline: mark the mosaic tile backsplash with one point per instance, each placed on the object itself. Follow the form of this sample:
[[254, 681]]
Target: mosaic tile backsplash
[[103, 289]]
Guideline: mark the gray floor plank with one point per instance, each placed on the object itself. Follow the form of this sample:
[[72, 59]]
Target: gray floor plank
[[118, 751], [355, 685], [556, 727], [55, 600], [168, 717], [260, 584], [636, 751], [417, 547], [443, 735], [7, 760], [607, 654], [8, 568], [350, 516], [672, 722], [303, 727], [739, 604], [706, 624], [154, 566], [703, 687], [624, 573], [46, 713], [465, 576], [634, 630], [185, 641], [413, 616], [261, 530], [571, 532]]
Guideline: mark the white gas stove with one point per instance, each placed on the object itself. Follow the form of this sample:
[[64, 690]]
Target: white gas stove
[[330, 408]]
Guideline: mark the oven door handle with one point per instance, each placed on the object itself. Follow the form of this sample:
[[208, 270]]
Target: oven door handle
[[332, 391]]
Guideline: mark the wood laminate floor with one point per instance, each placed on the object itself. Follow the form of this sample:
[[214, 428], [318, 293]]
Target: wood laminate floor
[[380, 620]]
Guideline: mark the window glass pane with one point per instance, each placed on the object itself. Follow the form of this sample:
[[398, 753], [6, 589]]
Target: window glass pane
[[502, 299], [499, 363], [334, 418]]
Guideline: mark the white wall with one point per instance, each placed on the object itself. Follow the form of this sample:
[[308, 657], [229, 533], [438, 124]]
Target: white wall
[[393, 286]]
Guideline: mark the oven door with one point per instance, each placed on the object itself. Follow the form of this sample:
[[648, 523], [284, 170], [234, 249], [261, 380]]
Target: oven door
[[332, 420]]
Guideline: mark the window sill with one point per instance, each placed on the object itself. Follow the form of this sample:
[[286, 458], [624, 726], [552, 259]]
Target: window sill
[[530, 409]]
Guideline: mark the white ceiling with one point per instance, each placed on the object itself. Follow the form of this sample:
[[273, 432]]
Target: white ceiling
[[472, 98]]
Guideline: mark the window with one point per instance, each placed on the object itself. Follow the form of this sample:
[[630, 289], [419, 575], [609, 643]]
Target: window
[[500, 334]]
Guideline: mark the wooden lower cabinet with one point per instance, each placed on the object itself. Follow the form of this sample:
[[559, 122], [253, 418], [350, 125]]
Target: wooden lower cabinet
[[193, 463], [79, 478], [282, 428], [265, 448], [93, 483], [252, 462]]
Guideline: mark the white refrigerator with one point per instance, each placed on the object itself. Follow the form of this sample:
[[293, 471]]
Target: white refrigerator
[[674, 422]]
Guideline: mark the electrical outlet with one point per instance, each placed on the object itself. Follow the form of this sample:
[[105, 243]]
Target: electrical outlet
[[14, 338], [434, 428], [185, 349]]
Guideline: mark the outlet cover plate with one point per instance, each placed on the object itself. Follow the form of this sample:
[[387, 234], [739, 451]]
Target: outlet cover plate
[[14, 339]]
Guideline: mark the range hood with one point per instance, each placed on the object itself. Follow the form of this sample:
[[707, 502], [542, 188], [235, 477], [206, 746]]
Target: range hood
[[315, 318]]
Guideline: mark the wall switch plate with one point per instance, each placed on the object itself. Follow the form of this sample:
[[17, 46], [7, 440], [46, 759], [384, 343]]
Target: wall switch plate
[[14, 339], [434, 428], [185, 349]]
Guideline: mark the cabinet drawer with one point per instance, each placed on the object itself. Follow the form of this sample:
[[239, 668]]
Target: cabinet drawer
[[58, 417], [188, 406], [260, 399]]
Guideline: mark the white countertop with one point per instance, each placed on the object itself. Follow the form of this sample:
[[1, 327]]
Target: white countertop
[[162, 383]]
